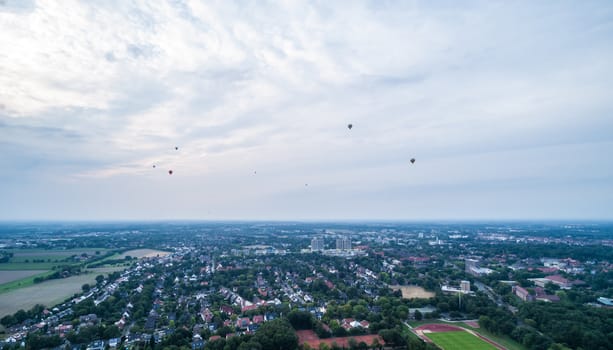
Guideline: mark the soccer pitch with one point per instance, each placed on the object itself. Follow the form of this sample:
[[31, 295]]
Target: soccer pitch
[[459, 341]]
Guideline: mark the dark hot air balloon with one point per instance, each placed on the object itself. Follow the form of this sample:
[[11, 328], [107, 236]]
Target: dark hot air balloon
[[412, 160], [154, 166], [176, 148], [350, 126], [169, 172]]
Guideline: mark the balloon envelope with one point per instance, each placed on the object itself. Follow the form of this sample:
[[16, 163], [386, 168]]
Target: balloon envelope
[[412, 160], [169, 172], [350, 126]]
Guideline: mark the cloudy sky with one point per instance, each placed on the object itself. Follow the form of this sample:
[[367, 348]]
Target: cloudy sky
[[507, 108]]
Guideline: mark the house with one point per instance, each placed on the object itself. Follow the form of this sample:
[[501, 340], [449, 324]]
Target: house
[[228, 310], [249, 307], [96, 345], [197, 342], [91, 318], [243, 322], [113, 342], [347, 320], [522, 293], [540, 295], [206, 315], [560, 281], [605, 301], [257, 319]]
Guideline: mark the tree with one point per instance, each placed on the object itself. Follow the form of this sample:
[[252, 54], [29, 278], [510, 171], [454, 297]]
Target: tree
[[443, 307], [99, 279], [111, 332], [300, 319], [485, 322], [85, 287], [392, 337], [353, 344], [277, 335]]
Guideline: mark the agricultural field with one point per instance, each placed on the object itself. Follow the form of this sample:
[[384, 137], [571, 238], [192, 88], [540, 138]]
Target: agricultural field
[[41, 259], [142, 253], [459, 341], [10, 276], [20, 255], [413, 292], [47, 293]]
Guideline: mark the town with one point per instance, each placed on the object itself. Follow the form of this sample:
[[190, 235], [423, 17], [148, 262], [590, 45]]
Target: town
[[316, 285]]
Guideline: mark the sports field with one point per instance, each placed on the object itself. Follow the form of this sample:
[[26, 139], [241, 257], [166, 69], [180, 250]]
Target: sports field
[[452, 337], [413, 292], [459, 341]]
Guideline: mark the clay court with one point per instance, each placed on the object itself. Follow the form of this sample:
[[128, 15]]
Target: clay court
[[309, 337], [424, 331]]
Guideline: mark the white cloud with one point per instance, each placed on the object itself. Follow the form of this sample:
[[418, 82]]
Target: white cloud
[[100, 91]]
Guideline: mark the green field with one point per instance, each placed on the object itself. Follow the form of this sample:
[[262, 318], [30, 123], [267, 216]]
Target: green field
[[459, 341]]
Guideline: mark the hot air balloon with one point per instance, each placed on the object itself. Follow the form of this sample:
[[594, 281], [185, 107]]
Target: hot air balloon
[[350, 126], [412, 160], [153, 166], [176, 148], [169, 172]]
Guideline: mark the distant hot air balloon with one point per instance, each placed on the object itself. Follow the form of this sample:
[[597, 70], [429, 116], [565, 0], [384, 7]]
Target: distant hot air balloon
[[169, 172], [176, 148], [154, 166], [412, 160], [350, 126]]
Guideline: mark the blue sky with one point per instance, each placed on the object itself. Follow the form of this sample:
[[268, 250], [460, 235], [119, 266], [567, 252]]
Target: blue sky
[[506, 107]]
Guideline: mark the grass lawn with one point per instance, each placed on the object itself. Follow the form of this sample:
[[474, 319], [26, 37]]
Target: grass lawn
[[503, 340], [459, 341]]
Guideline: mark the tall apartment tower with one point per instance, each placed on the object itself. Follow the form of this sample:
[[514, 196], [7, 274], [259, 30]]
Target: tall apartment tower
[[465, 286], [343, 243], [317, 244]]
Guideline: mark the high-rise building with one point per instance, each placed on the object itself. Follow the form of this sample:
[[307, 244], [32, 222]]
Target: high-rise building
[[465, 286], [317, 244], [343, 243]]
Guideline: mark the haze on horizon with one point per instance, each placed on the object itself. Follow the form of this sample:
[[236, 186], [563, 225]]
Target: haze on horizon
[[506, 107]]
